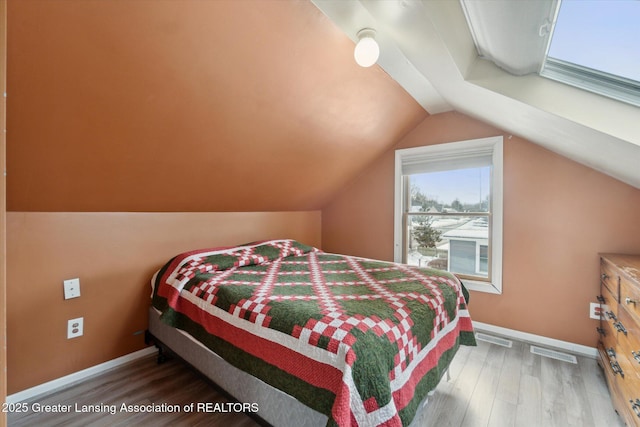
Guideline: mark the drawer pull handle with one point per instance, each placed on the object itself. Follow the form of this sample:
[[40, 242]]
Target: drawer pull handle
[[600, 299], [636, 356], [630, 301], [635, 406], [611, 353], [601, 332], [616, 368], [620, 327], [610, 315]]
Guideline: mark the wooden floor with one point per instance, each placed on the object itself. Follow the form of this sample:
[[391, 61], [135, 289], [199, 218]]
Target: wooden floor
[[490, 386], [501, 387]]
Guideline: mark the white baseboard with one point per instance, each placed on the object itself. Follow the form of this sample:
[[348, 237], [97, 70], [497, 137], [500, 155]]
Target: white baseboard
[[98, 369], [579, 349], [47, 387]]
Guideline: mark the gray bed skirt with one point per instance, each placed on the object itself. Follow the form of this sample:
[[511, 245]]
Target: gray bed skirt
[[275, 407]]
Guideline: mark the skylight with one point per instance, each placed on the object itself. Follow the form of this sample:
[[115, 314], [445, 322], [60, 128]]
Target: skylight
[[595, 45]]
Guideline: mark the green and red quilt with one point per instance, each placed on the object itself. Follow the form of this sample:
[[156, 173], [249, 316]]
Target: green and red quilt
[[359, 340]]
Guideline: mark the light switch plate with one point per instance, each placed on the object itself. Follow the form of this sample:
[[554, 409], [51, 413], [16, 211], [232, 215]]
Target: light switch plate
[[71, 288]]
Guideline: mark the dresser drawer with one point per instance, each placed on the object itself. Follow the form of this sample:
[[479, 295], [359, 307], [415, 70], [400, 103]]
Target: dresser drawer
[[632, 414], [624, 384], [609, 277], [629, 343], [621, 387], [608, 303], [618, 400], [609, 307], [630, 297], [628, 384], [608, 333]]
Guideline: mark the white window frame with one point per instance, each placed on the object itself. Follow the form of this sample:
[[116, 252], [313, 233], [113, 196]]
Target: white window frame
[[609, 85], [603, 83], [457, 153], [479, 246]]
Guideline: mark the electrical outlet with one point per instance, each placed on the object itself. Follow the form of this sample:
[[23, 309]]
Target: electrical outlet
[[71, 288], [75, 327], [595, 310]]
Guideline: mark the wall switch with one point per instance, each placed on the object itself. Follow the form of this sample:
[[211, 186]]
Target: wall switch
[[595, 310], [71, 288], [75, 327]]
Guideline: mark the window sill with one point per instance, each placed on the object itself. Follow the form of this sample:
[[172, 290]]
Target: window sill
[[478, 286]]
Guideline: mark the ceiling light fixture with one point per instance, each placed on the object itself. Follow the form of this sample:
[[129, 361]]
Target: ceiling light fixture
[[367, 51]]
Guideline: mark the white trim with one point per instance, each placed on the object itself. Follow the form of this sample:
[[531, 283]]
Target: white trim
[[579, 349], [479, 245], [446, 152], [397, 209], [602, 83], [78, 376]]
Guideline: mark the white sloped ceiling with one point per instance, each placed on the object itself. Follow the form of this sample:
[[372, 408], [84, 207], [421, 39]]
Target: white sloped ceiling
[[433, 56]]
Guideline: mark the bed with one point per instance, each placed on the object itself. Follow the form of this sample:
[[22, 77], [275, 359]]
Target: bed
[[312, 338]]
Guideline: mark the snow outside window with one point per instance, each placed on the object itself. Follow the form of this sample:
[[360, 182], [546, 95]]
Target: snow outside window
[[448, 210]]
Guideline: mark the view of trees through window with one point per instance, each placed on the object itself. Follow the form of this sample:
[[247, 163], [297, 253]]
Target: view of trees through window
[[448, 220]]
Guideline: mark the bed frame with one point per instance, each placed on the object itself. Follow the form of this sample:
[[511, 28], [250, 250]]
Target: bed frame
[[275, 407]]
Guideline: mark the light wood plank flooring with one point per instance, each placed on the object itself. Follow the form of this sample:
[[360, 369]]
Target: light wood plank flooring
[[490, 386], [496, 386]]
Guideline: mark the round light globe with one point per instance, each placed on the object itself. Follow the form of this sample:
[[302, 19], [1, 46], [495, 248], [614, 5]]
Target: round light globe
[[366, 52]]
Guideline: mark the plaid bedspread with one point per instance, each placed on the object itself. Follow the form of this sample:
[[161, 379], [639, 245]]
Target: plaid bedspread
[[359, 340]]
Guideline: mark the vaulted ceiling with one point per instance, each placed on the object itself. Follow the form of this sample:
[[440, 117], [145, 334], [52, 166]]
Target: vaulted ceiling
[[256, 105], [428, 43], [189, 105]]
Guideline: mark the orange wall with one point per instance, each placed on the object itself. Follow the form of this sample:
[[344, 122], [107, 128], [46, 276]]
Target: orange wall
[[174, 106], [189, 106], [114, 255], [3, 335], [558, 215]]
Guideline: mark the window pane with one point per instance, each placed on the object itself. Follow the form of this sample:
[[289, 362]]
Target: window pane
[[460, 190], [439, 200], [452, 243], [602, 35], [462, 256], [484, 259]]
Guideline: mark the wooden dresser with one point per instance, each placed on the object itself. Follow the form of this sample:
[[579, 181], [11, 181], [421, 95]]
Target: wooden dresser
[[619, 343]]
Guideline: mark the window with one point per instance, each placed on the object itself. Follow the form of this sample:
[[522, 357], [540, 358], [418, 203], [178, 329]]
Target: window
[[483, 259], [594, 46], [448, 210]]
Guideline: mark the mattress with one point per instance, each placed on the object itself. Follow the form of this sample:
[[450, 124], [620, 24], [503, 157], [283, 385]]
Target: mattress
[[359, 341], [274, 406]]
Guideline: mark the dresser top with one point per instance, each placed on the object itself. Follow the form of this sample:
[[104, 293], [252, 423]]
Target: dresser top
[[629, 264]]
